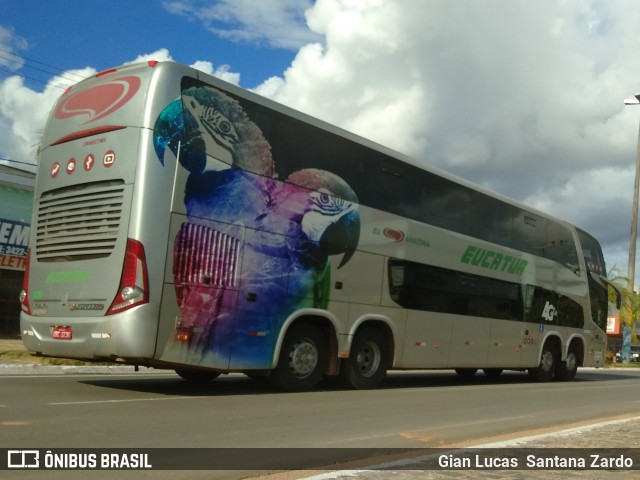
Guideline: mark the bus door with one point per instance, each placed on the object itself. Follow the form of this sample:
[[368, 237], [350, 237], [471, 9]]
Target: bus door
[[532, 329], [263, 296]]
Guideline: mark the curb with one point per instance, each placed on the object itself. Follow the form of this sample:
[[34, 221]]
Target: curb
[[30, 369]]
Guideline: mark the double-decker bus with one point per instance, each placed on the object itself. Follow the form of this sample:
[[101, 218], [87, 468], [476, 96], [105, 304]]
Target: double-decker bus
[[181, 222]]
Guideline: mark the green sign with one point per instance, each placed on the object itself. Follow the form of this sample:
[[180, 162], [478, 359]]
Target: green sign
[[485, 258]]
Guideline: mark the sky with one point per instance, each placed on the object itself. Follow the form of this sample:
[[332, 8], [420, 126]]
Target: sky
[[524, 98]]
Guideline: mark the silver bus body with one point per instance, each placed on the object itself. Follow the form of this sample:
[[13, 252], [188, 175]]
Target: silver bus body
[[182, 222]]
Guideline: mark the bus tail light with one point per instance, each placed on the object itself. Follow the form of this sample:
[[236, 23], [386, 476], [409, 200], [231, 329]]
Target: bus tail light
[[134, 283], [24, 294]]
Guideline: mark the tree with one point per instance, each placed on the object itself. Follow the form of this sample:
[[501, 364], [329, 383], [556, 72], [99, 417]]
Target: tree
[[629, 312]]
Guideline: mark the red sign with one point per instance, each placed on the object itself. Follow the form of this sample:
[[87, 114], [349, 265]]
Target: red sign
[[395, 235], [98, 101], [613, 325], [61, 333], [12, 262]]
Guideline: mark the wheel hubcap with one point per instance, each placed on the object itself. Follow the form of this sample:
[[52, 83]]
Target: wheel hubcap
[[571, 361], [303, 358], [368, 359], [546, 362]]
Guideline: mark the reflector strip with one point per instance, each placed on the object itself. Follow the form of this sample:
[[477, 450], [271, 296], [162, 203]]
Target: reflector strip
[[87, 133]]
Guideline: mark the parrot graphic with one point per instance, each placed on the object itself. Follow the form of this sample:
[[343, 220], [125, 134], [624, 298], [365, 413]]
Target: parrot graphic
[[281, 233]]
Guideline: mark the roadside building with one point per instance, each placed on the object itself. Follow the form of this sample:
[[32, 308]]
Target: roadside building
[[16, 202]]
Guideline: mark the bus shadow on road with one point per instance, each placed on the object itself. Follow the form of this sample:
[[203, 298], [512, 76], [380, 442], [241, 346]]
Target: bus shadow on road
[[237, 384]]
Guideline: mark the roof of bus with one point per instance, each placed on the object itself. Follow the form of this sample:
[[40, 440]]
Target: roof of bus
[[171, 67]]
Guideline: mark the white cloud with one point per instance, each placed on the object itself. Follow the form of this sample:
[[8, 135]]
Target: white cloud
[[524, 98], [161, 55], [223, 72], [25, 111], [279, 23], [10, 43]]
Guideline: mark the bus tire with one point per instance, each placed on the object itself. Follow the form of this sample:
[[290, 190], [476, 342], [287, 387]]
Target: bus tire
[[566, 371], [368, 359], [546, 369], [197, 376], [302, 360], [466, 373], [492, 372]]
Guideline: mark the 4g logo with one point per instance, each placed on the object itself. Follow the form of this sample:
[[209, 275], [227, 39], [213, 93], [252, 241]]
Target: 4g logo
[[549, 312]]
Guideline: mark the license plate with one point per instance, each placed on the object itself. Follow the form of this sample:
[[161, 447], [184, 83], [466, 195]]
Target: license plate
[[61, 333]]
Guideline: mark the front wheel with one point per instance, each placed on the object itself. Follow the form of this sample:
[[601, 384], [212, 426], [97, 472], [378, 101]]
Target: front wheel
[[302, 360], [367, 363]]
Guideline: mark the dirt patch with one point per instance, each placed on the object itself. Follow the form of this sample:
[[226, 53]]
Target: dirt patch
[[24, 357]]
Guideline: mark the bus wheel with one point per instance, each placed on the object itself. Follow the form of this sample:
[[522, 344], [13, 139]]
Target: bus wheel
[[368, 360], [544, 372], [466, 372], [566, 371], [303, 358], [197, 376], [492, 372]]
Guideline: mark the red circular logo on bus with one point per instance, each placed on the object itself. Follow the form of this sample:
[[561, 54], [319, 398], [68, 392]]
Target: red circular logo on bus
[[55, 169], [89, 160], [396, 235], [109, 158], [99, 101], [71, 166]]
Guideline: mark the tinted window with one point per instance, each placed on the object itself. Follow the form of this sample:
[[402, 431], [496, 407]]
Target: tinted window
[[549, 308], [592, 253], [425, 287], [386, 183]]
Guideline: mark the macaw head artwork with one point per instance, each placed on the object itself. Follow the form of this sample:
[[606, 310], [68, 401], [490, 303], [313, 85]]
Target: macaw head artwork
[[207, 123], [330, 218]]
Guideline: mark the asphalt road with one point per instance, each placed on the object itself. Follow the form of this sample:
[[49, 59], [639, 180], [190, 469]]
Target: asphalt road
[[410, 410]]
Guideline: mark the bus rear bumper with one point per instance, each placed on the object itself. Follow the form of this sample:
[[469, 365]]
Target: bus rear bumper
[[124, 335]]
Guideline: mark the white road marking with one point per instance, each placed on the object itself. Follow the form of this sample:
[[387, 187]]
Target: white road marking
[[123, 400]]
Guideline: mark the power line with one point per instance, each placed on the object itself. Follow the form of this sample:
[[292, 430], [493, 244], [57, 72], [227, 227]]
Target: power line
[[54, 70], [31, 78], [42, 69], [23, 62]]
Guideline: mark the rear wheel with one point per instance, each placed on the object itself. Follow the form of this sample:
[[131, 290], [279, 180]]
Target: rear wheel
[[566, 371], [545, 371], [197, 376], [368, 360], [302, 361], [466, 372]]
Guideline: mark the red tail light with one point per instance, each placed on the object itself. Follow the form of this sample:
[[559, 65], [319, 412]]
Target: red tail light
[[106, 72], [24, 294], [134, 283]]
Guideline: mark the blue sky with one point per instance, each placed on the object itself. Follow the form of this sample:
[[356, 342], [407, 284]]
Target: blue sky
[[524, 98], [71, 34]]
